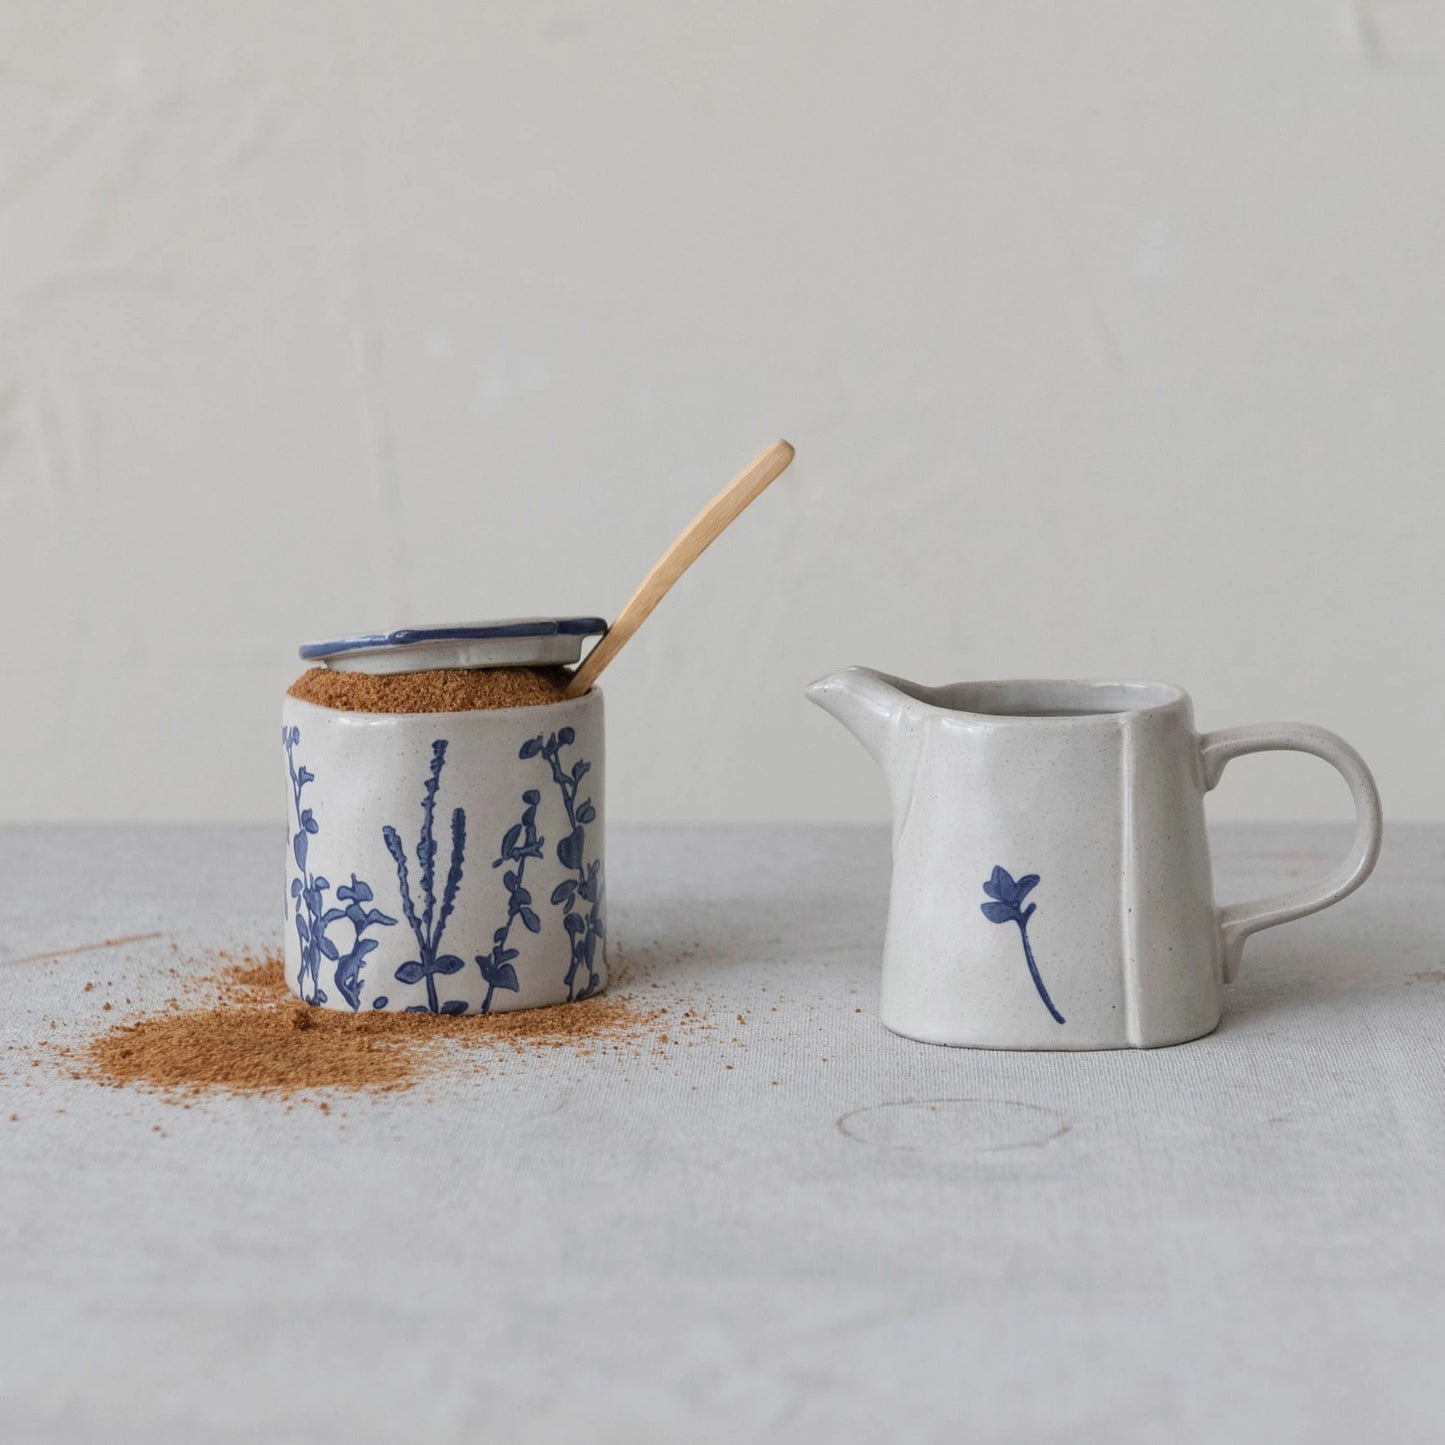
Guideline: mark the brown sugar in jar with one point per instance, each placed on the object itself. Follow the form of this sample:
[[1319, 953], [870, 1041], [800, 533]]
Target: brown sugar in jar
[[442, 689]]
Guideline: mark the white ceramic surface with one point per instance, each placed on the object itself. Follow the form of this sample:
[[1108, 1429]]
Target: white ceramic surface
[[1051, 875], [446, 862]]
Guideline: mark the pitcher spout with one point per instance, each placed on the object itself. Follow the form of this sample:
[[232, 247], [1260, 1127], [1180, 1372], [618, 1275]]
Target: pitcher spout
[[876, 710]]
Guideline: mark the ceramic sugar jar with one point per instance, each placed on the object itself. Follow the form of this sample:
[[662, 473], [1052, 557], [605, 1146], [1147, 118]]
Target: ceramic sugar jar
[[447, 862]]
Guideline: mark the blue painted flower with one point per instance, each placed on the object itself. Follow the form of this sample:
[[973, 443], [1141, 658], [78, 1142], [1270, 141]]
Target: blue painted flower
[[497, 969], [428, 925], [520, 843], [313, 919], [1006, 895], [579, 897]]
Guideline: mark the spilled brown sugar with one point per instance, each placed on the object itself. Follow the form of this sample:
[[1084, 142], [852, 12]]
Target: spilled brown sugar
[[443, 689], [256, 1038]]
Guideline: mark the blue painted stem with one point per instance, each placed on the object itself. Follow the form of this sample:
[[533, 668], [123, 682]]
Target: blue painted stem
[[308, 886], [428, 928], [296, 803], [568, 788], [1034, 972], [500, 944]]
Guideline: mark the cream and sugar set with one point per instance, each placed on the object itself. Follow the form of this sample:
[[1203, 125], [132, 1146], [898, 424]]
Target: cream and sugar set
[[1051, 875]]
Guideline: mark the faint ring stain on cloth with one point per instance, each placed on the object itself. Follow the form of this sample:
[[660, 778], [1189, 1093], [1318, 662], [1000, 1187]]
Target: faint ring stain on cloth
[[971, 1126]]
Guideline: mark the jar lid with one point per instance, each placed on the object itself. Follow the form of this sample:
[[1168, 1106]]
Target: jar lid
[[513, 642]]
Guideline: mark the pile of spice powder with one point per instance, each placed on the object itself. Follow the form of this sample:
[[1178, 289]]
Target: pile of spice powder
[[442, 689], [258, 1038]]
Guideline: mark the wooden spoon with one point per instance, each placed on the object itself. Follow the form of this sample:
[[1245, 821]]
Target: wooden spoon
[[714, 518]]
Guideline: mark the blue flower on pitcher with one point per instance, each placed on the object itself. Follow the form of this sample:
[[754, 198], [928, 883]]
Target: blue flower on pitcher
[[1006, 895]]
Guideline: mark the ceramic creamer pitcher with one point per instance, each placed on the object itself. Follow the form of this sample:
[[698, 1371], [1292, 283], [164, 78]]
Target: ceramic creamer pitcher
[[1051, 876]]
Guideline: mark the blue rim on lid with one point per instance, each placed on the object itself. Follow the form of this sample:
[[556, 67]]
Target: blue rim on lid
[[512, 642], [458, 632]]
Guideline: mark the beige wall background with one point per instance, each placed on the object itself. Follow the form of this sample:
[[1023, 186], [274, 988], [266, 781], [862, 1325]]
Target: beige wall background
[[1112, 339]]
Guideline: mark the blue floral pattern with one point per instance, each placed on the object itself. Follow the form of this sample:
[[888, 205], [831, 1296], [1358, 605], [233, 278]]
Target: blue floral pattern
[[312, 918], [521, 842], [579, 898], [1006, 895], [429, 926], [428, 900]]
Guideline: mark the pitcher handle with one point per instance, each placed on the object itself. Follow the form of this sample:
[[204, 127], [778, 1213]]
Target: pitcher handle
[[1238, 920]]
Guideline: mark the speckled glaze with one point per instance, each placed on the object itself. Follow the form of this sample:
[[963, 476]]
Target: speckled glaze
[[1051, 875], [445, 862]]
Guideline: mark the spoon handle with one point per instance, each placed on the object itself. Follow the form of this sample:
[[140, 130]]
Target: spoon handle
[[690, 545]]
